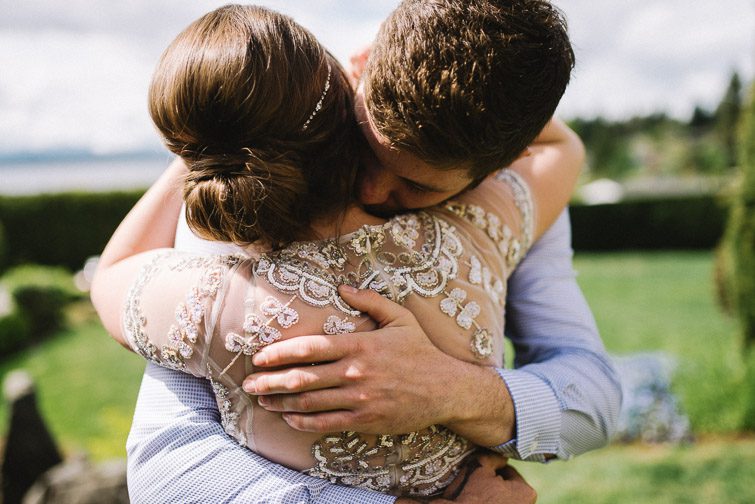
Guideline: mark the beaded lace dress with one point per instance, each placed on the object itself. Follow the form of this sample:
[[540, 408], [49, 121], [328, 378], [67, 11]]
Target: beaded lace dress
[[208, 315]]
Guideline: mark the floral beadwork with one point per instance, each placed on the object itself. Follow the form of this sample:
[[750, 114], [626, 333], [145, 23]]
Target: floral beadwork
[[312, 285], [188, 314], [424, 272], [134, 320], [481, 275], [419, 463], [258, 332], [523, 201], [511, 248], [405, 230], [482, 341], [285, 315], [454, 302], [335, 325], [367, 239], [228, 418]]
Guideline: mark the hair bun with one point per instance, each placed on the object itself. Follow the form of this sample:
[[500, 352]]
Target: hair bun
[[205, 166]]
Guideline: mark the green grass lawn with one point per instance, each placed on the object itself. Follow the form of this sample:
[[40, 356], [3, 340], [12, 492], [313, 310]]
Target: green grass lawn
[[666, 301], [661, 301], [710, 471], [86, 386]]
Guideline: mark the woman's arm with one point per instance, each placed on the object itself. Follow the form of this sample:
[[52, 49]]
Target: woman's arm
[[551, 170], [149, 225]]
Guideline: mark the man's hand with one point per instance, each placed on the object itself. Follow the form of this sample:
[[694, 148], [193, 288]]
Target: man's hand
[[391, 380]]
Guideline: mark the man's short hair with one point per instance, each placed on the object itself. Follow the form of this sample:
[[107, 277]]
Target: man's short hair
[[470, 82]]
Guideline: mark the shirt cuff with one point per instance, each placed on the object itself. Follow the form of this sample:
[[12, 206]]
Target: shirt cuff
[[538, 417]]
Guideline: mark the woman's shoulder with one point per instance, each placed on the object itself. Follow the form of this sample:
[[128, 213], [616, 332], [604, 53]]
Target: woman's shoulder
[[499, 212]]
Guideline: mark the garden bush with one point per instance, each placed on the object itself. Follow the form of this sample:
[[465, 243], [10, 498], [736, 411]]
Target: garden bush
[[35, 306], [14, 333], [42, 307], [61, 229]]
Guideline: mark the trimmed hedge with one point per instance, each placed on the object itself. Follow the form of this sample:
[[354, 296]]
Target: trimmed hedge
[[61, 229], [65, 229], [674, 223]]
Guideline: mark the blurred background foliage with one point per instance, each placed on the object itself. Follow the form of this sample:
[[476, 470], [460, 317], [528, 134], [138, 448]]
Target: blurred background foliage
[[657, 145]]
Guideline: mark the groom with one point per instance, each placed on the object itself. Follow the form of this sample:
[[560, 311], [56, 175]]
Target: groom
[[453, 91]]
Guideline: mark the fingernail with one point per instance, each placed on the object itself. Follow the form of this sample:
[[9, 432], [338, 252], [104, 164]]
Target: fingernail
[[263, 401], [259, 359], [249, 387], [348, 289]]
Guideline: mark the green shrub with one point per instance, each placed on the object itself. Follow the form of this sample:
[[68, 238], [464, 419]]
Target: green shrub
[[61, 229], [40, 295], [42, 307], [41, 276], [661, 224], [738, 246], [14, 333]]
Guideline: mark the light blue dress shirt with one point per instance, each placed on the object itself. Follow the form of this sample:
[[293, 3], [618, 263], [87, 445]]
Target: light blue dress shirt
[[565, 391]]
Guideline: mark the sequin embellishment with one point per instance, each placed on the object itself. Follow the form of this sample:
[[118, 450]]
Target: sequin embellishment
[[258, 332], [419, 463], [335, 325]]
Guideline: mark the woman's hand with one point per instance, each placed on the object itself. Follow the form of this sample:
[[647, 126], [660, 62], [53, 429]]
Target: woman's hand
[[358, 63]]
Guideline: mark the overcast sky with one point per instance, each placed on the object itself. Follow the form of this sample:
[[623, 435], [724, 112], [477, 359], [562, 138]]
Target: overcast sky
[[74, 74]]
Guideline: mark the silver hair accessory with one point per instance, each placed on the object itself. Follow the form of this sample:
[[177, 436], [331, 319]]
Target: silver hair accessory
[[319, 103]]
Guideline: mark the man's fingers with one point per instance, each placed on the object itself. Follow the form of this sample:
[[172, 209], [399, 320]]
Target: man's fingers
[[493, 461], [302, 350], [331, 421], [293, 380], [306, 402], [381, 310], [510, 474]]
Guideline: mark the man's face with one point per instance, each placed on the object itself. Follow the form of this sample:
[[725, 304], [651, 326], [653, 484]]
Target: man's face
[[392, 181]]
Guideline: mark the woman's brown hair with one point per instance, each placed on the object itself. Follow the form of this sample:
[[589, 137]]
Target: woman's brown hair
[[263, 116]]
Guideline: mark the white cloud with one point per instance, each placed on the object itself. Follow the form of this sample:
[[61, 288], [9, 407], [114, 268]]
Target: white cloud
[[646, 55], [72, 90], [75, 73]]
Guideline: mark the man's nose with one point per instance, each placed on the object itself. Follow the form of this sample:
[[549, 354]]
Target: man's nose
[[376, 187]]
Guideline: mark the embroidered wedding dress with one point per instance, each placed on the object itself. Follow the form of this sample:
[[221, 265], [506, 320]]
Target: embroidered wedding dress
[[208, 315]]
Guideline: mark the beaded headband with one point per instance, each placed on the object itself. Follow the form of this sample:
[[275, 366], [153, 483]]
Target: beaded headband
[[319, 103]]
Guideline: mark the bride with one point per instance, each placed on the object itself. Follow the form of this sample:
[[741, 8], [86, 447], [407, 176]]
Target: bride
[[262, 117]]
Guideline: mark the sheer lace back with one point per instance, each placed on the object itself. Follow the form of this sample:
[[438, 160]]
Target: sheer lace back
[[209, 315]]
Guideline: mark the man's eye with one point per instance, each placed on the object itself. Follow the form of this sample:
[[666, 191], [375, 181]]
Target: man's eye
[[416, 188]]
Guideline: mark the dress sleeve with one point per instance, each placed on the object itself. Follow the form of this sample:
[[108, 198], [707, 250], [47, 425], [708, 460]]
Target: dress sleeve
[[168, 316]]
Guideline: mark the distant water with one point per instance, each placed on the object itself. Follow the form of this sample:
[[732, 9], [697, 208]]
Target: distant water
[[89, 175]]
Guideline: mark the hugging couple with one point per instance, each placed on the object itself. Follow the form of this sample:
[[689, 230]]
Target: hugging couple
[[321, 280]]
